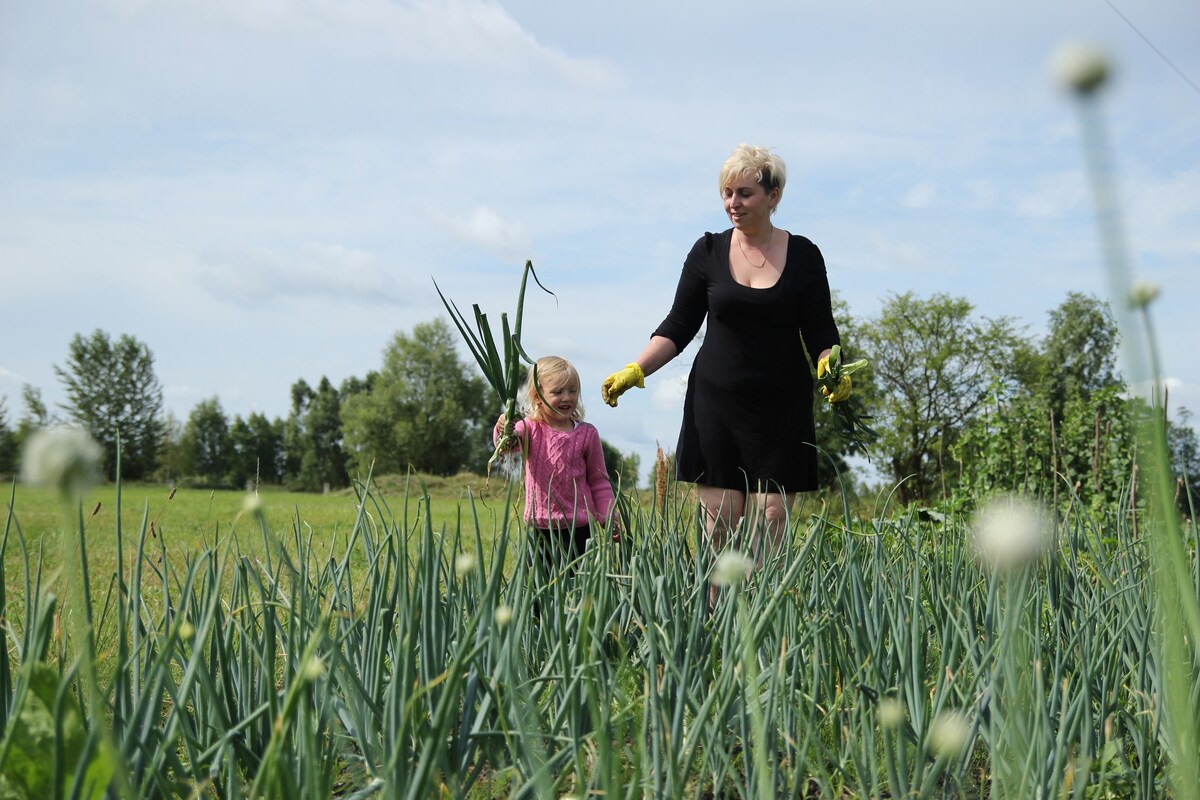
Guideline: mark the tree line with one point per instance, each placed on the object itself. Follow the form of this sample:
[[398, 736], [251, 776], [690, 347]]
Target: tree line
[[964, 405], [422, 410], [968, 405]]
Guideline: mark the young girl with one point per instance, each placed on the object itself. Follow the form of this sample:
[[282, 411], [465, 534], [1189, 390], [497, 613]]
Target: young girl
[[566, 482]]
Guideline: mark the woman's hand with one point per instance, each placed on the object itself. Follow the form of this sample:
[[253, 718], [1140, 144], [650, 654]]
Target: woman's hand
[[616, 384], [842, 392]]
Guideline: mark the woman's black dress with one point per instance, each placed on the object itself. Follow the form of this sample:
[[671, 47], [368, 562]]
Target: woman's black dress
[[748, 415]]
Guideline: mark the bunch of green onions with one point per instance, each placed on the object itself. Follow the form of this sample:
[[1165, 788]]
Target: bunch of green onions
[[502, 360], [852, 423]]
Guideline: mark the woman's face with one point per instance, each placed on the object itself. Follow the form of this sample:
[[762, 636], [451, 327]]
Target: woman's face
[[748, 204]]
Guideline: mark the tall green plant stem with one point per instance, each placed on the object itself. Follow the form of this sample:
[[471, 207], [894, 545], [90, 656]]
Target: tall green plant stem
[[1177, 608]]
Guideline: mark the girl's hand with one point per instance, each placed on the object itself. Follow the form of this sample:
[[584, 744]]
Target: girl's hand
[[509, 445], [614, 525]]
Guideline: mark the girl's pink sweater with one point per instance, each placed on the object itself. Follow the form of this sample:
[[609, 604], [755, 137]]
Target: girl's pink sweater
[[565, 477]]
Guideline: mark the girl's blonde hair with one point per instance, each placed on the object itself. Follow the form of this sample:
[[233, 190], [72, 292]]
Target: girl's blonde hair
[[759, 163], [549, 371]]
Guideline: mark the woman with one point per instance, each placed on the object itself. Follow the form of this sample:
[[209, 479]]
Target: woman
[[747, 415]]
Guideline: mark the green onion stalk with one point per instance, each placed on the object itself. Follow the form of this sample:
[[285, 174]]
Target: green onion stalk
[[503, 361], [1084, 70]]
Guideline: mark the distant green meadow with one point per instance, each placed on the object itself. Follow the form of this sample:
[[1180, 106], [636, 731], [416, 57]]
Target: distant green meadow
[[196, 518]]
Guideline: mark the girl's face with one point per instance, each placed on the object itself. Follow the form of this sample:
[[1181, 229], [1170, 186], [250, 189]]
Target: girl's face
[[562, 397], [748, 204]]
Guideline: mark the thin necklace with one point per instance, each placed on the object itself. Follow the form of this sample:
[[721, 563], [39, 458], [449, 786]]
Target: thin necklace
[[763, 253]]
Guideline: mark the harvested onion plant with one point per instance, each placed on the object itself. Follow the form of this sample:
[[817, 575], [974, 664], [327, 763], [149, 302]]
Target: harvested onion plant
[[852, 424], [501, 360]]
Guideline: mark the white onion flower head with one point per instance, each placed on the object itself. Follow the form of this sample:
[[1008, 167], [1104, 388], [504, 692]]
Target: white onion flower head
[[732, 567], [186, 631], [1080, 67], [1142, 294], [464, 563], [503, 615], [314, 668], [948, 734], [62, 458], [252, 504], [890, 713], [1010, 531]]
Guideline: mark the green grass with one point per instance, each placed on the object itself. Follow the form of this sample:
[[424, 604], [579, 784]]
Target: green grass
[[194, 519]]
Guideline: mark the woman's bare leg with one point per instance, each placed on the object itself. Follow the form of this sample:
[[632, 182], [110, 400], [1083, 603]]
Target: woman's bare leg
[[769, 512], [722, 509]]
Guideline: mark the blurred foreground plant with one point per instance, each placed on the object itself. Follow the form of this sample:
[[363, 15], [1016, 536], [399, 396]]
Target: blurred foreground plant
[[500, 360], [1083, 70]]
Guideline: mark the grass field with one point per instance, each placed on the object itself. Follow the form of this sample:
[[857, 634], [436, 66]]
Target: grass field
[[193, 519]]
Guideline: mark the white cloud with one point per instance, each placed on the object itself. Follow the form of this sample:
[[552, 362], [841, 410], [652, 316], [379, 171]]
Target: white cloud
[[667, 392], [898, 254], [982, 194], [1053, 196], [484, 227], [1164, 211], [464, 32], [252, 276], [184, 392], [921, 195]]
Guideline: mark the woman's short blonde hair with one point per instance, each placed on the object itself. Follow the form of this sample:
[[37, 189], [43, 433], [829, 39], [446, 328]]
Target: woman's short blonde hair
[[549, 371], [759, 163]]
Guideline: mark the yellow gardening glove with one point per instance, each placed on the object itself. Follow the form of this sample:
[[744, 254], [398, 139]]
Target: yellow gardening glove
[[843, 388], [615, 385]]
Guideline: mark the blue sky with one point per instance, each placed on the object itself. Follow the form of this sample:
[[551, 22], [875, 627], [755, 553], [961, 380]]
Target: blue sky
[[263, 191]]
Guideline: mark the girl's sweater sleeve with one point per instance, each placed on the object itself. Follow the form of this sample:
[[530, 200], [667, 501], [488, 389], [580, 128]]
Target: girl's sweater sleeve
[[597, 476]]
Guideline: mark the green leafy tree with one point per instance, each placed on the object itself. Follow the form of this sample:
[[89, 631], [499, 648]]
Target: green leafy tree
[[170, 455], [8, 442], [1185, 453], [113, 392], [1012, 446], [36, 415], [294, 443], [35, 407], [34, 418], [622, 468], [1006, 447], [424, 409], [1093, 447], [937, 365], [1064, 431], [206, 446], [313, 438], [258, 455], [1080, 352], [355, 385]]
